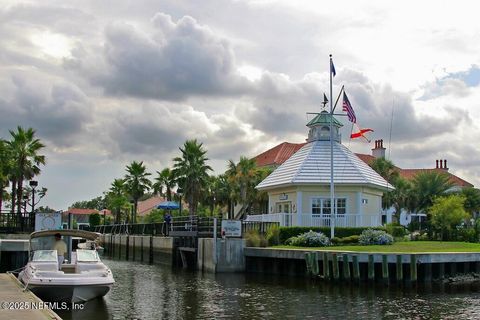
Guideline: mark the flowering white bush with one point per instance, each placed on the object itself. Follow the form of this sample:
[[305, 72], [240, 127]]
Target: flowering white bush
[[371, 236], [309, 239]]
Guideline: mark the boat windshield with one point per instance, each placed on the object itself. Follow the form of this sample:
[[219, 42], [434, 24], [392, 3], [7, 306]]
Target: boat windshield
[[45, 256], [87, 256]]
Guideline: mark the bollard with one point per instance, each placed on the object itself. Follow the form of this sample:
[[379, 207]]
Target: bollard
[[385, 275], [336, 271], [346, 267], [371, 267], [356, 268], [399, 268]]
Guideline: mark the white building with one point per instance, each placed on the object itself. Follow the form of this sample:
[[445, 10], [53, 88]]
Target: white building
[[299, 189]]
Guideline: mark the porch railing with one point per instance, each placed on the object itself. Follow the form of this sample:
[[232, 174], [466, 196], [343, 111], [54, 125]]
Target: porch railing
[[318, 220], [14, 222]]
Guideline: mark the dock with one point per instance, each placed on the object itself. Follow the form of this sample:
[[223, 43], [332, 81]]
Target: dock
[[17, 304]]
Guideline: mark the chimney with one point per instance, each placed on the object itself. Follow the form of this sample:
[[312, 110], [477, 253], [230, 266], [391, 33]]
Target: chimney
[[436, 164], [379, 150], [445, 165]]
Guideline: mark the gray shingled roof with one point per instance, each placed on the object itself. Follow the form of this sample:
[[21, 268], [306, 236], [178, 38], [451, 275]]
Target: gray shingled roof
[[311, 165]]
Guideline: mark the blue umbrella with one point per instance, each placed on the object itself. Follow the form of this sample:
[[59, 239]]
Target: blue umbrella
[[168, 205]]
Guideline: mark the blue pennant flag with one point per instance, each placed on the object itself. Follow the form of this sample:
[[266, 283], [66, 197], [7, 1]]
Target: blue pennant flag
[[332, 68]]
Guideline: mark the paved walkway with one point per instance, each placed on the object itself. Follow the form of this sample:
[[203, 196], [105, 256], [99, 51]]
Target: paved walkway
[[16, 304]]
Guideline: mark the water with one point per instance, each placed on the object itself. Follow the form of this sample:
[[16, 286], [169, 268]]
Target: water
[[156, 292]]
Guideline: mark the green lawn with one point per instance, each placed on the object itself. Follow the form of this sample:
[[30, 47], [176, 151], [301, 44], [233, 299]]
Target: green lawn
[[401, 247]]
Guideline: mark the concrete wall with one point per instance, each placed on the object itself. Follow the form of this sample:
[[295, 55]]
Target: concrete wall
[[228, 256], [13, 254], [139, 248]]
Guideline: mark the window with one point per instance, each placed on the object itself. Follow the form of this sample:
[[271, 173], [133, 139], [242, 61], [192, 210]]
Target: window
[[323, 206], [341, 206], [316, 206], [45, 255]]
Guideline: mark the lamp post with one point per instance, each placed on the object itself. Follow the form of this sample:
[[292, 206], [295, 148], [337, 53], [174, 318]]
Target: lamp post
[[104, 216], [180, 192], [33, 184]]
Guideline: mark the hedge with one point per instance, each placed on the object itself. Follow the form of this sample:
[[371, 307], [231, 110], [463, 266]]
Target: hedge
[[340, 232]]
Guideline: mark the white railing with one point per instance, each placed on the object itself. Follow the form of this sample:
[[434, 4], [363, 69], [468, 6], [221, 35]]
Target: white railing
[[318, 220]]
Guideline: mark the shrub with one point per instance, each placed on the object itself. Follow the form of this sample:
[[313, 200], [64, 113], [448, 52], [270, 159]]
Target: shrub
[[273, 235], [341, 232], [446, 214], [345, 240], [309, 239], [396, 230], [254, 239], [370, 237]]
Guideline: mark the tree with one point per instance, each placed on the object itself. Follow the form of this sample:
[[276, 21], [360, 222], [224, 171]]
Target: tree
[[137, 183], [97, 203], [5, 170], [244, 177], [426, 186], [447, 213], [25, 149], [116, 198], [191, 171], [386, 169], [94, 219], [399, 198], [165, 179], [472, 199]]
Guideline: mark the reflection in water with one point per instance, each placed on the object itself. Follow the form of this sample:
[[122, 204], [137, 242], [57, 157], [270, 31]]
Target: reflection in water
[[156, 292]]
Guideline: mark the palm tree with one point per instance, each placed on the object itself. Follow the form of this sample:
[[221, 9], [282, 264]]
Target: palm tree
[[386, 169], [191, 171], [165, 179], [116, 198], [426, 186], [137, 183], [400, 197], [244, 177], [26, 161], [5, 168]]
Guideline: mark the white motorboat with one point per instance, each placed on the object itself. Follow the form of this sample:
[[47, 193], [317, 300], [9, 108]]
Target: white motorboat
[[82, 278]]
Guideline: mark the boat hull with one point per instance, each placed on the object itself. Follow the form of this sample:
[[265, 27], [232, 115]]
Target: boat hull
[[70, 294]]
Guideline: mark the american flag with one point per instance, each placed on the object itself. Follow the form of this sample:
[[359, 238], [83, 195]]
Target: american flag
[[347, 107]]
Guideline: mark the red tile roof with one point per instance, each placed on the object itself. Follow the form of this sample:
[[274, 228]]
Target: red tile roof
[[144, 207], [278, 154], [409, 174], [79, 211]]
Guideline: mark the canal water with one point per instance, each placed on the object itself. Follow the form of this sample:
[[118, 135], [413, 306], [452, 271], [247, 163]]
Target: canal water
[[145, 291]]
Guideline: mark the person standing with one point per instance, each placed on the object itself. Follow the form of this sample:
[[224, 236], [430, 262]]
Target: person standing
[[61, 248], [167, 220]]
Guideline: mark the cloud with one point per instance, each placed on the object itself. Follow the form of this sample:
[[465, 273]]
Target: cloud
[[58, 110], [174, 61]]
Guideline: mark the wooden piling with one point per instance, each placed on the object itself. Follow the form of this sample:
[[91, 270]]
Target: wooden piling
[[399, 268], [127, 247], [371, 267], [335, 267], [441, 270], [385, 275], [356, 268], [413, 268], [150, 258], [141, 249], [346, 267], [427, 269], [326, 268]]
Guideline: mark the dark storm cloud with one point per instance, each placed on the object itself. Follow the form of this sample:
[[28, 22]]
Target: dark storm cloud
[[56, 109], [175, 61]]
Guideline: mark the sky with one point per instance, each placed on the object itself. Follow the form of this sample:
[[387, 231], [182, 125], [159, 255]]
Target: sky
[[105, 83]]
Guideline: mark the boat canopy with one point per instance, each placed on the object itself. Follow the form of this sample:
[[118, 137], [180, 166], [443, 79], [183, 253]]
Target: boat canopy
[[66, 232]]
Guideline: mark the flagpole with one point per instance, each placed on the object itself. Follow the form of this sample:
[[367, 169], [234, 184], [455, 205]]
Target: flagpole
[[332, 188]]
